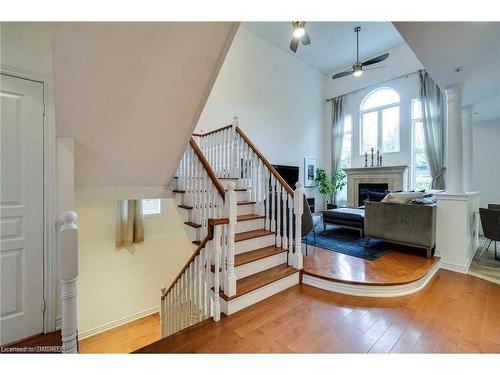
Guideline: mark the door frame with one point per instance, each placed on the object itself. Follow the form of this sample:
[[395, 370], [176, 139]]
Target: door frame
[[50, 256]]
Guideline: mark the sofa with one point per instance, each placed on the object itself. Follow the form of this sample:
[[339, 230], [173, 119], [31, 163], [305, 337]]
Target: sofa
[[401, 223]]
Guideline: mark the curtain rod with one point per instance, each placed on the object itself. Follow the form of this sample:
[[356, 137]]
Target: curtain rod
[[377, 84]]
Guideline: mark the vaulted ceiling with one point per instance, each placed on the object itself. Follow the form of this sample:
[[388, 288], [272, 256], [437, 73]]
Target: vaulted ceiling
[[333, 44], [474, 47]]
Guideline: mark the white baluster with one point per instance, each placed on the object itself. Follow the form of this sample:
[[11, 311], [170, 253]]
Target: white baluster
[[278, 214], [284, 239], [273, 203], [216, 256], [298, 210], [69, 273], [268, 202], [234, 148], [290, 226], [231, 201], [208, 285]]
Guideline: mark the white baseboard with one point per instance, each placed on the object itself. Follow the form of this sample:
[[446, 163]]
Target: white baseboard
[[460, 268], [127, 319]]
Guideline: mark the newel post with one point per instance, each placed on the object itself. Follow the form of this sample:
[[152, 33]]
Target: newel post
[[216, 246], [231, 201], [69, 273], [234, 148], [298, 208]]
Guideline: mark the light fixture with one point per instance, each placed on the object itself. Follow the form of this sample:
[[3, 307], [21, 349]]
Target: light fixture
[[299, 32], [357, 70]]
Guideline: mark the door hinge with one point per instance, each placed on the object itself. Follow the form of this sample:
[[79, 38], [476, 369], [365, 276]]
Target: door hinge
[[43, 306]]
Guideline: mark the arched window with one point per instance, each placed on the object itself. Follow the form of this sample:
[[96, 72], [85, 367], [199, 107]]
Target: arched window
[[379, 118]]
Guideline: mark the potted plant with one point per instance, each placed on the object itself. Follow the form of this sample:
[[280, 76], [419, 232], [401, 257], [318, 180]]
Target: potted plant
[[329, 186]]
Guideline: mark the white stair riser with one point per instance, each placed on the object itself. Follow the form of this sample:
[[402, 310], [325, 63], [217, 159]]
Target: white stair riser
[[260, 265], [234, 305], [192, 233], [245, 209], [254, 243], [178, 198], [248, 225], [184, 214]]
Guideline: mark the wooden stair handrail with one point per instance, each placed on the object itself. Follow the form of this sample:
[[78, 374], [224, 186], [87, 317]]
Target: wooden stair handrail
[[212, 131], [265, 161], [208, 168], [208, 237]]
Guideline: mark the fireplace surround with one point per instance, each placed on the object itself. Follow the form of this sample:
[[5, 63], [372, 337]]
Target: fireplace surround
[[395, 177]]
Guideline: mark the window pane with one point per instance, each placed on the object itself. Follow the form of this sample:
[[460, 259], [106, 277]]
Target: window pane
[[151, 207], [369, 131], [416, 109], [419, 137], [346, 143], [390, 129], [380, 98]]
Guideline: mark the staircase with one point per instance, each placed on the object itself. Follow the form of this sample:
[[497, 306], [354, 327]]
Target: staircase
[[244, 222]]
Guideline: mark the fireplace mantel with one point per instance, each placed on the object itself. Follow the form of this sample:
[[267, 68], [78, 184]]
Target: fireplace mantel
[[393, 176]]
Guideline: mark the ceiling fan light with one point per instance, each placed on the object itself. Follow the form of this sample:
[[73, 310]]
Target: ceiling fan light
[[299, 32], [357, 70]]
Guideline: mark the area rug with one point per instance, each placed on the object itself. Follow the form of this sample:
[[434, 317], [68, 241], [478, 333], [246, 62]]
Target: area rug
[[347, 241]]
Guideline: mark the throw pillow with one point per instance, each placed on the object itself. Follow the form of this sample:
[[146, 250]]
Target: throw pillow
[[401, 197], [426, 199], [375, 196]]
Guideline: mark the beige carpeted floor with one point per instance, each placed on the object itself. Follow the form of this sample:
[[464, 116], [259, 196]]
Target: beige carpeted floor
[[488, 267]]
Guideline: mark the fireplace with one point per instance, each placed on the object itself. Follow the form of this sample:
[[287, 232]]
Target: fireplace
[[364, 188]]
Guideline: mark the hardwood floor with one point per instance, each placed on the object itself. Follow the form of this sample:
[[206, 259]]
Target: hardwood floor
[[454, 313], [391, 269], [124, 339]]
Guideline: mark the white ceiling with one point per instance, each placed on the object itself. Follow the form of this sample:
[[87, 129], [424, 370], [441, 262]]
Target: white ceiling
[[333, 44], [474, 46]]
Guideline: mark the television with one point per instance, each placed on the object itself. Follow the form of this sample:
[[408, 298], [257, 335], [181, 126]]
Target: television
[[289, 173]]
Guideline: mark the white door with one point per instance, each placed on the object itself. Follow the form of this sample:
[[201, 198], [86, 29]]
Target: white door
[[21, 209]]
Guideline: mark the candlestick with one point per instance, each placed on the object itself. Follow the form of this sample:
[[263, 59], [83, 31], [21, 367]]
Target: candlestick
[[378, 158], [372, 156], [366, 159]]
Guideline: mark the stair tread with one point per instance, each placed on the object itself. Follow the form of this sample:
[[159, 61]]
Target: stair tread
[[179, 191], [252, 256], [238, 189], [241, 203], [258, 280], [251, 234], [228, 178], [197, 242], [250, 217], [191, 224], [185, 206]]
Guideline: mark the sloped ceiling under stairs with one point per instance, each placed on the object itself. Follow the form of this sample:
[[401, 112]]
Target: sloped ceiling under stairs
[[130, 95]]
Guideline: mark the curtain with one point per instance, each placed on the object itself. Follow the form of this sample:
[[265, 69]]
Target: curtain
[[129, 225], [337, 131], [434, 130]]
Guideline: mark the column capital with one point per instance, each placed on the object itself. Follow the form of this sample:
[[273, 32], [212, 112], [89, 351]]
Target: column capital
[[454, 92]]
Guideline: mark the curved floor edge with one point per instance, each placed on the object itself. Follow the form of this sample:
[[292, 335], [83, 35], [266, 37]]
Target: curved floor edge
[[372, 290]]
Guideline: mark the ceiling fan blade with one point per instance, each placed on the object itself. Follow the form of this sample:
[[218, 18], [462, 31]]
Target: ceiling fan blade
[[305, 39], [342, 74], [376, 59], [294, 44], [375, 68]]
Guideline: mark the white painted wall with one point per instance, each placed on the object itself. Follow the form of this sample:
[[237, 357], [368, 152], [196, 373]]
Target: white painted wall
[[277, 98], [486, 157], [27, 46], [118, 285]]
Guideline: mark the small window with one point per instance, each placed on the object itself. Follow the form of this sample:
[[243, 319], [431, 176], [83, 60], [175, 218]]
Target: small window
[[151, 207]]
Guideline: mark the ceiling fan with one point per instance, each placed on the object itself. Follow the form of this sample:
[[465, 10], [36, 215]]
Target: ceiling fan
[[299, 34], [357, 67]]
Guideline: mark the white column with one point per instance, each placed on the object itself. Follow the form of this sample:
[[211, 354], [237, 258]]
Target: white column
[[467, 147], [454, 171], [69, 273]]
